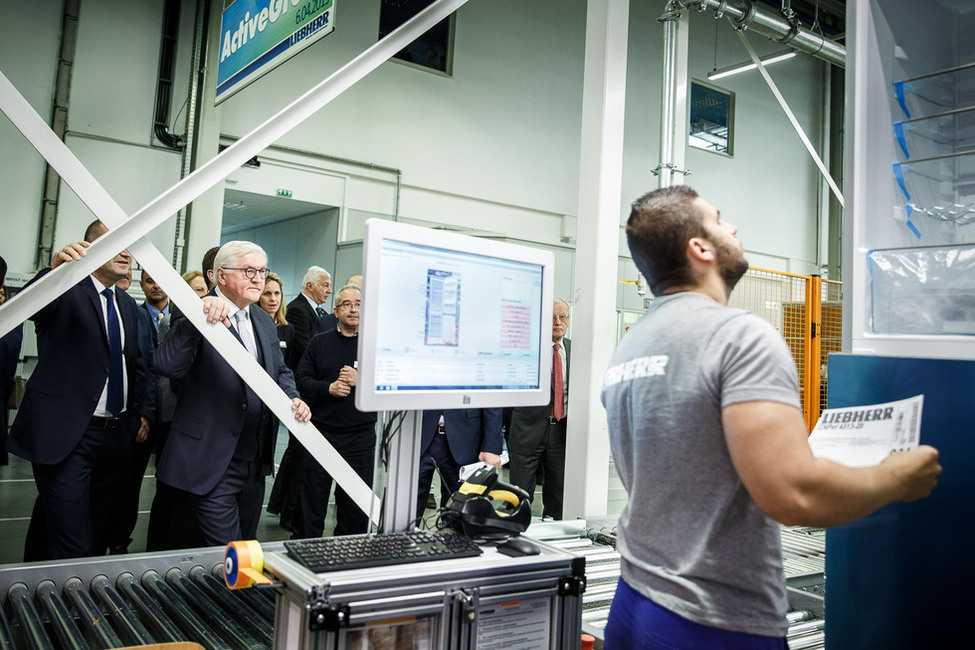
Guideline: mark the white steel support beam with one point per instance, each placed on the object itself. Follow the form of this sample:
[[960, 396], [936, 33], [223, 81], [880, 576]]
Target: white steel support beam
[[597, 255], [129, 232]]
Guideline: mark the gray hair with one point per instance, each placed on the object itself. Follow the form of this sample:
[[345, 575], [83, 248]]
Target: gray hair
[[232, 251], [349, 286], [314, 274]]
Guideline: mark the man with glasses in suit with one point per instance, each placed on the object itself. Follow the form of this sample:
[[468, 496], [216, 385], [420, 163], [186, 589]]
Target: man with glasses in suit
[[221, 441]]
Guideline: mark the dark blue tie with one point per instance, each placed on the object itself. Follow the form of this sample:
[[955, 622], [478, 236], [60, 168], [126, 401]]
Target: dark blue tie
[[320, 312], [114, 404]]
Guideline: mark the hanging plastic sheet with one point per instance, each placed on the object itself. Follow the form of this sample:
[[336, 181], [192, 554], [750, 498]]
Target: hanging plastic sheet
[[927, 291]]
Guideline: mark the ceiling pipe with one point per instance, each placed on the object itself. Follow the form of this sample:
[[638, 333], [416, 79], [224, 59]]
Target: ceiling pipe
[[774, 26]]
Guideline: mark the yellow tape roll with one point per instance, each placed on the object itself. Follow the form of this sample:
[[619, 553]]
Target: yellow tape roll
[[243, 564]]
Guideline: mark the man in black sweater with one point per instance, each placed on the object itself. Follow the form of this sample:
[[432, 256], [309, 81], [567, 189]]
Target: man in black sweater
[[326, 379]]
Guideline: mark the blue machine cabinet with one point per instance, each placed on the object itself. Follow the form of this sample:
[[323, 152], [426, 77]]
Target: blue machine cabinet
[[903, 576]]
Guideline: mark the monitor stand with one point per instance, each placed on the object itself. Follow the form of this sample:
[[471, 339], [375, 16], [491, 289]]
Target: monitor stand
[[404, 471]]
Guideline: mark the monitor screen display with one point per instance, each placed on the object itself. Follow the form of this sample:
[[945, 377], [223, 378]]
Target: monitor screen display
[[452, 321]]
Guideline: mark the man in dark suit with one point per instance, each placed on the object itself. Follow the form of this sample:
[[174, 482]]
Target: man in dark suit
[[221, 441], [536, 434], [305, 312], [152, 312], [10, 344], [452, 438], [84, 404], [329, 322], [306, 308]]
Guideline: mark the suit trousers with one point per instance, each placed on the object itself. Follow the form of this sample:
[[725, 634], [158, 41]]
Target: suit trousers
[[232, 509], [284, 492], [437, 457], [358, 450], [549, 455], [78, 495], [172, 516], [123, 525]]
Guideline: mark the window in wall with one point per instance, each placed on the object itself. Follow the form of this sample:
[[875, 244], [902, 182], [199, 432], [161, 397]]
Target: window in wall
[[434, 49], [712, 118]]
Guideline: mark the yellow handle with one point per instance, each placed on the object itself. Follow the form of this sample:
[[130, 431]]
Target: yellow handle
[[505, 495]]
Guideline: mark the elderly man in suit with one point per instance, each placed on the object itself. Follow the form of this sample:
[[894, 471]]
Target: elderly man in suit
[[536, 434], [452, 438], [329, 322], [305, 314], [84, 405], [307, 308], [221, 441]]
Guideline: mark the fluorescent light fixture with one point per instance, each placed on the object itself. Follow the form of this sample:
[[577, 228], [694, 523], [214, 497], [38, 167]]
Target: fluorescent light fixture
[[742, 67]]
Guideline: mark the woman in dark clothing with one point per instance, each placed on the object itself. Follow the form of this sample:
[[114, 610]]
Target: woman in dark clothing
[[272, 301], [284, 493]]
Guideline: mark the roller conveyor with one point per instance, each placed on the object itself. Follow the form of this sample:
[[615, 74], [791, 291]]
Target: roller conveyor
[[137, 599], [90, 618], [123, 619], [163, 629], [26, 615], [61, 620], [236, 607]]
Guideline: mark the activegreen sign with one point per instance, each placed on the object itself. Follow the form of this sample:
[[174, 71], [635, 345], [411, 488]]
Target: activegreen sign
[[258, 35]]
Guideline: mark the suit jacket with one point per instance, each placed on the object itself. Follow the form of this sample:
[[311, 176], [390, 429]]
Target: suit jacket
[[72, 367], [302, 316], [528, 423], [10, 344], [147, 345], [468, 431], [165, 399], [211, 403], [286, 339], [324, 324]]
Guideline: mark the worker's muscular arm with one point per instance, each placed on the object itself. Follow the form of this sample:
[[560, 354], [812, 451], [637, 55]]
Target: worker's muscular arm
[[769, 448]]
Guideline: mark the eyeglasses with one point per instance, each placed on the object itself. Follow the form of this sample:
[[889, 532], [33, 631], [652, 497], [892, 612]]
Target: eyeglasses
[[250, 271], [348, 304], [560, 318]]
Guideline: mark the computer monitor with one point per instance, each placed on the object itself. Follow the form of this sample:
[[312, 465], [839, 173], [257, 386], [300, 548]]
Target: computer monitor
[[452, 321]]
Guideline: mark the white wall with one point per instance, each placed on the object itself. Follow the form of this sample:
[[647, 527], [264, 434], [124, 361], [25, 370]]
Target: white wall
[[493, 148], [294, 245]]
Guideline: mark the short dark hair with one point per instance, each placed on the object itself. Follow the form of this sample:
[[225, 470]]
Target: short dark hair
[[3, 270], [91, 232], [208, 258], [660, 225]]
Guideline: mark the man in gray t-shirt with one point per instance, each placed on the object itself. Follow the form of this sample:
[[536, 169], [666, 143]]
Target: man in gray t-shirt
[[708, 438]]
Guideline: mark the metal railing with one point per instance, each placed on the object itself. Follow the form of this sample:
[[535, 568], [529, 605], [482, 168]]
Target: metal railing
[[808, 312]]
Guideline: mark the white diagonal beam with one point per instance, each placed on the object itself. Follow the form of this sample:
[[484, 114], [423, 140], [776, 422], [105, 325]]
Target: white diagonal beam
[[230, 159], [74, 174], [129, 233], [792, 119]]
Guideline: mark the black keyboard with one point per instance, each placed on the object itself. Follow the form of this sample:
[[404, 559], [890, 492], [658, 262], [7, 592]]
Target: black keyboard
[[386, 549]]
